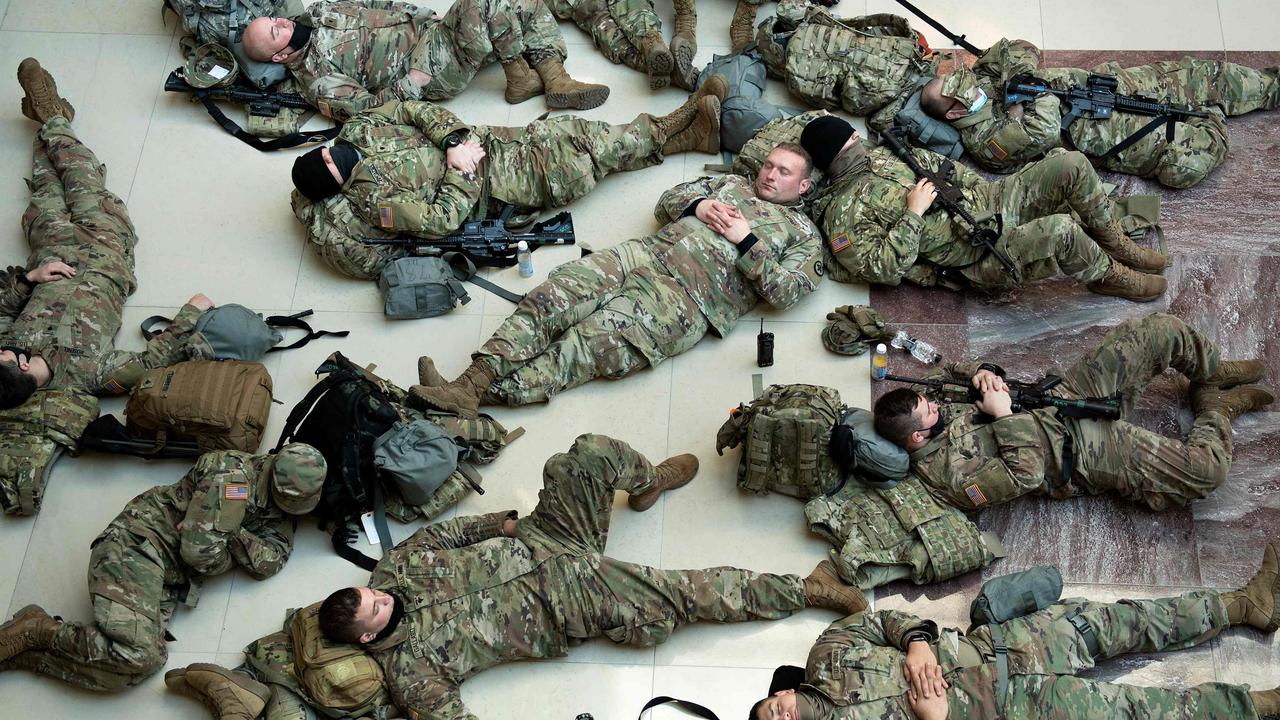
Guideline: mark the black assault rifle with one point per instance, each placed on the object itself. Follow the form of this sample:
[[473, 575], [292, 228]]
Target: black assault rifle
[[1027, 396], [488, 243], [1097, 99], [983, 234], [262, 103], [957, 39]]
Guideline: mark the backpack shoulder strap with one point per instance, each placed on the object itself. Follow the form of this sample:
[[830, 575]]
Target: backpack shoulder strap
[[303, 408], [692, 708], [295, 321]]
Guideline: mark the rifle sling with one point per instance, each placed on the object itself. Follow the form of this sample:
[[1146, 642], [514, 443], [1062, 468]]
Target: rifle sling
[[464, 269], [1166, 120], [280, 143]]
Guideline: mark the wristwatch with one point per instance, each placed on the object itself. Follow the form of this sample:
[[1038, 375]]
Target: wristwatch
[[917, 637], [452, 139]]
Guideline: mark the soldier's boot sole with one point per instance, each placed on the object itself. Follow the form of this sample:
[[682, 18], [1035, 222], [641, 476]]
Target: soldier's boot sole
[[42, 102], [674, 472], [683, 49], [31, 627], [658, 61], [585, 98], [428, 375], [742, 25]]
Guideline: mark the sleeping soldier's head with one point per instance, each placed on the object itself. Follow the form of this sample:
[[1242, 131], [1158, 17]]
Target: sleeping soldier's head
[[359, 615], [784, 177], [20, 375], [907, 419], [321, 172], [954, 96], [275, 39]]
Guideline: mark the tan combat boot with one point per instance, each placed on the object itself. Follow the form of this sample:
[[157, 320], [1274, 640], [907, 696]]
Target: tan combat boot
[[30, 628], [228, 695], [461, 396], [684, 43], [671, 473], [1121, 281], [1257, 604], [427, 373], [702, 134], [1119, 246], [823, 588], [1236, 372], [522, 82], [1267, 703], [676, 121], [742, 25], [565, 92], [657, 60], [1231, 403], [42, 102]]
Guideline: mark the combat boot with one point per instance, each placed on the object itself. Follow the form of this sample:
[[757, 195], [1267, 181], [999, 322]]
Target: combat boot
[[1114, 242], [823, 588], [674, 122], [1236, 372], [41, 102], [1257, 604], [1266, 703], [674, 472], [522, 82], [461, 396], [427, 373], [702, 134], [684, 43], [742, 25], [30, 628], [565, 92], [1231, 403], [228, 695], [657, 60], [1121, 281]]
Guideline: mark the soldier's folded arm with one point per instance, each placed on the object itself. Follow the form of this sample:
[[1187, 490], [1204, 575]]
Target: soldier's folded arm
[[122, 368], [459, 532], [880, 254], [675, 201], [264, 550], [964, 370], [885, 628], [212, 520], [14, 290], [435, 121], [784, 281], [407, 212], [341, 97]]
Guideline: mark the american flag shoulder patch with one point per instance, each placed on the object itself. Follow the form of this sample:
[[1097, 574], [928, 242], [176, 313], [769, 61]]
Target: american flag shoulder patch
[[999, 152], [840, 242], [235, 491], [386, 216], [975, 495]]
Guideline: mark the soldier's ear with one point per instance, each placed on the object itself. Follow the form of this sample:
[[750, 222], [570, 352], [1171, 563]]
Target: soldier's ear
[[956, 113], [805, 185]]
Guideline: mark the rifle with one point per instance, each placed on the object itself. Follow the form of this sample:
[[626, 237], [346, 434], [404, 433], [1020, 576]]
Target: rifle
[[983, 234], [488, 243], [261, 103], [1028, 396], [957, 39], [1098, 99]]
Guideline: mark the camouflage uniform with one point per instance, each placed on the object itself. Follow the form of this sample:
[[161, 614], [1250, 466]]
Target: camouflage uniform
[[873, 238], [861, 65], [361, 51], [1000, 143], [403, 183], [474, 599], [855, 669], [71, 322], [972, 464], [143, 565], [617, 27], [634, 305]]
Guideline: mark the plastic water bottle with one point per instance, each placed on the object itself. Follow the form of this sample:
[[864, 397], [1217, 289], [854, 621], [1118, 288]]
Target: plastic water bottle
[[880, 362], [524, 259], [919, 349]]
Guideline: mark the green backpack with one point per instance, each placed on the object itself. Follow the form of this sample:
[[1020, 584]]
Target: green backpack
[[751, 158], [786, 435]]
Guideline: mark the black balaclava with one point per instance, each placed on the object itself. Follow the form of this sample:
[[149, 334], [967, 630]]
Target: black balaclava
[[312, 177]]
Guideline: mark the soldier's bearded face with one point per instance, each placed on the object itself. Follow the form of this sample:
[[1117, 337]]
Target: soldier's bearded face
[[782, 178], [780, 706], [374, 613]]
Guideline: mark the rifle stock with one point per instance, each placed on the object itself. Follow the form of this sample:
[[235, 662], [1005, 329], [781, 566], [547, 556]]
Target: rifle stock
[[260, 102]]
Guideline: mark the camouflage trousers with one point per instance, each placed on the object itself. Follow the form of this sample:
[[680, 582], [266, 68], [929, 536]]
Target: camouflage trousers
[[1116, 456], [630, 603], [1046, 652], [474, 33], [550, 163], [617, 27], [608, 315], [131, 607], [1199, 144], [1041, 237]]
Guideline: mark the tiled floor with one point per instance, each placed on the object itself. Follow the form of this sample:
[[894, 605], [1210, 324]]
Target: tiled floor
[[213, 216]]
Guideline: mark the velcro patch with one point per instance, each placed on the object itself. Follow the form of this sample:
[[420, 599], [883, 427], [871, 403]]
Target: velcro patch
[[386, 216], [323, 107], [994, 147], [840, 242], [235, 491], [975, 495]]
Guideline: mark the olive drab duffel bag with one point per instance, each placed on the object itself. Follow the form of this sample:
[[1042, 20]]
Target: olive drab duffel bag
[[785, 434], [220, 404]]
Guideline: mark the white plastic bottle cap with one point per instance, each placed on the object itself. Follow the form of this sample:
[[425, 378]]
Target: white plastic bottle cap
[[522, 246], [879, 348]]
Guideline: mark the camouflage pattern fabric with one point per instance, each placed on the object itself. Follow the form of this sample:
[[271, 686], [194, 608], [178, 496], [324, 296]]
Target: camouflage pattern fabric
[[974, 464], [474, 598], [361, 51], [636, 304], [403, 183], [855, 669], [71, 322], [336, 232], [857, 64], [1001, 143], [617, 27], [872, 238], [143, 565]]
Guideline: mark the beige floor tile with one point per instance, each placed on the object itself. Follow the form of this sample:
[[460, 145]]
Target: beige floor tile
[[608, 692], [728, 692], [1104, 25], [15, 536], [1249, 25], [982, 22], [114, 16]]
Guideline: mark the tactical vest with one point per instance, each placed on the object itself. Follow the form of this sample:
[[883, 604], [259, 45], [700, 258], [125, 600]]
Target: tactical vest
[[31, 436], [751, 158], [785, 434]]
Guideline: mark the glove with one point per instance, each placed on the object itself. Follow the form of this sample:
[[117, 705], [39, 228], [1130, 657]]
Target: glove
[[852, 329]]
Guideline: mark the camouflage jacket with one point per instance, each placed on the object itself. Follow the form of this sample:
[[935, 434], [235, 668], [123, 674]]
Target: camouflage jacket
[[872, 237], [358, 55], [218, 516], [860, 64], [783, 266], [468, 592], [974, 463]]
